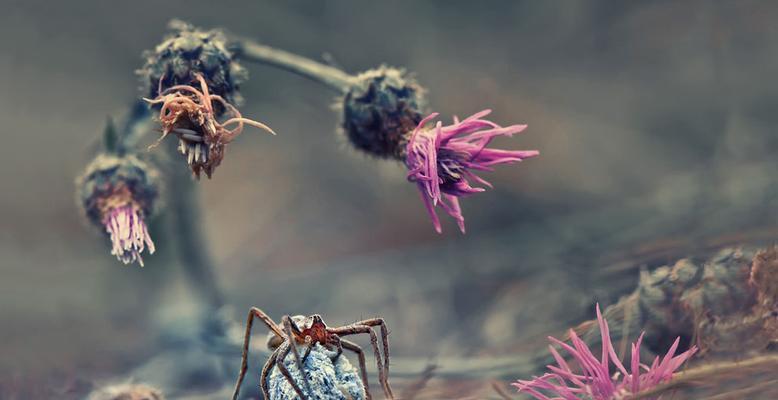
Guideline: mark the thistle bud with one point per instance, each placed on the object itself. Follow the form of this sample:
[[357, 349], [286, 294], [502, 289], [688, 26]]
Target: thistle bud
[[380, 109], [118, 194], [186, 52]]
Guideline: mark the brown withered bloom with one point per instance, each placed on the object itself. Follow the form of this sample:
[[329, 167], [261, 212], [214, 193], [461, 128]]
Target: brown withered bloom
[[189, 114]]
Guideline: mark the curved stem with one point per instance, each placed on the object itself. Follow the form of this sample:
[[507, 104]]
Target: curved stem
[[190, 239], [712, 373], [330, 76]]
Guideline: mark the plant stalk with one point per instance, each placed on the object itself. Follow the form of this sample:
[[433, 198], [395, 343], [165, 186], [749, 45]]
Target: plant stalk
[[331, 77], [187, 230], [712, 373]]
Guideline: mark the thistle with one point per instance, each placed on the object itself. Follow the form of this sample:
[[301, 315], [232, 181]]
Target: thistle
[[118, 194], [194, 79], [383, 115], [594, 378], [442, 160]]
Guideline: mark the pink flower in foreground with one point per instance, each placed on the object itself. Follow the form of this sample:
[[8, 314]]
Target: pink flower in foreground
[[594, 380], [129, 233], [441, 160]]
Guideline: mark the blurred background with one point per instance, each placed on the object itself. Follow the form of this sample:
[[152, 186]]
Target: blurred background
[[655, 121]]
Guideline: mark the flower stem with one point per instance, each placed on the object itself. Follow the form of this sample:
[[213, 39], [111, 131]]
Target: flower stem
[[192, 246], [746, 392], [331, 77], [712, 373]]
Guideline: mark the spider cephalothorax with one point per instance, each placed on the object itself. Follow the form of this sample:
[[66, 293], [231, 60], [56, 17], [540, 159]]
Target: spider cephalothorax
[[309, 331], [191, 115]]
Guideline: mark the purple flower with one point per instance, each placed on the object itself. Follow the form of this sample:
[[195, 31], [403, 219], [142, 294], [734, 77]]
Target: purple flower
[[441, 160], [595, 381], [129, 233]]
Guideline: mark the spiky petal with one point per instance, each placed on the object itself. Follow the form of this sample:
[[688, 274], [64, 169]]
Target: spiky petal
[[129, 234], [596, 380], [442, 160]]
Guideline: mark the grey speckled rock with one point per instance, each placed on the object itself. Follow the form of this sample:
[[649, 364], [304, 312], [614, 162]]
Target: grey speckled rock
[[329, 381]]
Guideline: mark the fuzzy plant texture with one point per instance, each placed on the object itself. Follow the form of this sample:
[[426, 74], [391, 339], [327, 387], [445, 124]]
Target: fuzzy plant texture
[[119, 194], [379, 110], [587, 377], [189, 51], [330, 380]]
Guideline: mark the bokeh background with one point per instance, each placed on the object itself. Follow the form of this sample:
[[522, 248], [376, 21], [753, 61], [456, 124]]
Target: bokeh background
[[655, 120]]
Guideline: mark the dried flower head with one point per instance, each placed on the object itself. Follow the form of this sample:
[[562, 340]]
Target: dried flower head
[[118, 194], [441, 160], [595, 379], [189, 114], [379, 110], [187, 52]]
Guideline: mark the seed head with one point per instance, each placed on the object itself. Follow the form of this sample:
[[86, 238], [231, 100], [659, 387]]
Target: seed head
[[118, 194], [379, 110], [189, 51], [441, 160]]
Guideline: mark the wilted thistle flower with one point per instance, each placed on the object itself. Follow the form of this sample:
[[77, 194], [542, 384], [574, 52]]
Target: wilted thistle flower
[[380, 108], [595, 380], [187, 52], [441, 160], [118, 194], [189, 113]]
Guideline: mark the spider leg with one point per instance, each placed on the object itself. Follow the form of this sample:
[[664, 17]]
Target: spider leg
[[338, 346], [384, 340], [348, 345], [283, 352], [385, 344], [292, 331], [309, 344], [357, 329], [254, 312], [265, 372]]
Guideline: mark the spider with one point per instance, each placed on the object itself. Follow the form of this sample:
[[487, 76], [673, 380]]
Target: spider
[[190, 114], [309, 331]]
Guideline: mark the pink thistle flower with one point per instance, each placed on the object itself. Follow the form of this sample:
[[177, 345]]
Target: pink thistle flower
[[441, 160], [595, 381], [119, 194], [129, 233]]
